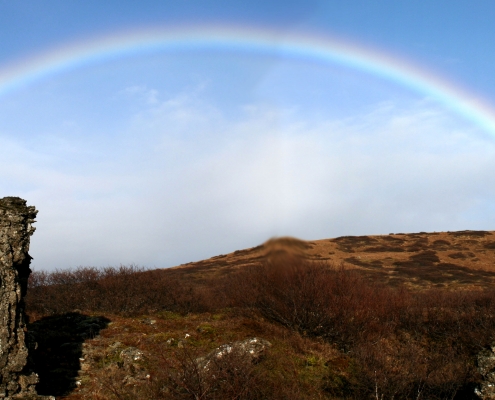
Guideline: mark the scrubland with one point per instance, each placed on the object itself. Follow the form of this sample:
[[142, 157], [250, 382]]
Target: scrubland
[[336, 333]]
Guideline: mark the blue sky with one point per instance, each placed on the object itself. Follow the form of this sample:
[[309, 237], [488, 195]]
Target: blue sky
[[167, 156]]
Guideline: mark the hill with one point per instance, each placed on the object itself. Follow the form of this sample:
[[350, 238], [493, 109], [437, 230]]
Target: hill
[[440, 259], [404, 316]]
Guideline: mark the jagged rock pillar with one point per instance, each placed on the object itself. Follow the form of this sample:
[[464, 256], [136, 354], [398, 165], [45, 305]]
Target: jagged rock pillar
[[15, 231]]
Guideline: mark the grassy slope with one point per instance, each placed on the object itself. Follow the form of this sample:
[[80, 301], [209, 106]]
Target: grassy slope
[[442, 259]]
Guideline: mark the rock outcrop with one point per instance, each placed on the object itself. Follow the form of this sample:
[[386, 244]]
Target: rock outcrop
[[250, 350], [15, 231], [486, 368]]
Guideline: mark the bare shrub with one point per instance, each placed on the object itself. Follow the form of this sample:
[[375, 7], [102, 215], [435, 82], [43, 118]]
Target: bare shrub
[[124, 290], [230, 377], [180, 374], [405, 344], [292, 294], [315, 298]]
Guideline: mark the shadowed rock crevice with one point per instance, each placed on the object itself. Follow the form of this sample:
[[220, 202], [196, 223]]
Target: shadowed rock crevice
[[59, 350]]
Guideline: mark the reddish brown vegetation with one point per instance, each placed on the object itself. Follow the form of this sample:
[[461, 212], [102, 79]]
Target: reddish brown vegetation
[[394, 343], [405, 344], [124, 290]]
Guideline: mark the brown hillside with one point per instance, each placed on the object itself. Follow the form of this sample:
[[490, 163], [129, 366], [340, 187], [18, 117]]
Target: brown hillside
[[441, 259]]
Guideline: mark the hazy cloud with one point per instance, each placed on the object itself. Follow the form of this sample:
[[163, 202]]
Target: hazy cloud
[[185, 182]]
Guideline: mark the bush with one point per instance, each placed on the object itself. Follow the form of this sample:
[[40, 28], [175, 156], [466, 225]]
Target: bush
[[400, 343], [124, 290], [405, 344], [317, 299]]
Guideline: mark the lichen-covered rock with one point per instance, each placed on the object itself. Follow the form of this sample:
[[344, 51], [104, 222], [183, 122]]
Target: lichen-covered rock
[[486, 367], [251, 350], [16, 228], [132, 359], [130, 355]]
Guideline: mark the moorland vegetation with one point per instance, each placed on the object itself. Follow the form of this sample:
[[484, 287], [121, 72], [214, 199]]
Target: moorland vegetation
[[335, 333]]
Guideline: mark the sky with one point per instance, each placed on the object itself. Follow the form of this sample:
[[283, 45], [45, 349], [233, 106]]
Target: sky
[[163, 132]]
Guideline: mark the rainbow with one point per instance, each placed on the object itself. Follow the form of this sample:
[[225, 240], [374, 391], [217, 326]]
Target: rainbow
[[250, 39]]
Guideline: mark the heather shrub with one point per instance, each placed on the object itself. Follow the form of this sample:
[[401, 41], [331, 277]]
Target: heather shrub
[[397, 343], [124, 290], [317, 299], [404, 344]]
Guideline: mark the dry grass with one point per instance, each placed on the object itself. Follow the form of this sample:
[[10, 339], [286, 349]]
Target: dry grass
[[377, 257]]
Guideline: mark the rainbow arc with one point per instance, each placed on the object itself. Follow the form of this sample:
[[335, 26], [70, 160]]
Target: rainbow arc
[[257, 40]]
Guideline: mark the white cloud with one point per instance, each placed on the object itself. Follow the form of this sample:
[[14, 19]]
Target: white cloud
[[185, 182]]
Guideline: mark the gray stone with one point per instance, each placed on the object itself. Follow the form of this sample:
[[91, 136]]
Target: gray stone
[[252, 350], [486, 367], [131, 355], [132, 358]]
